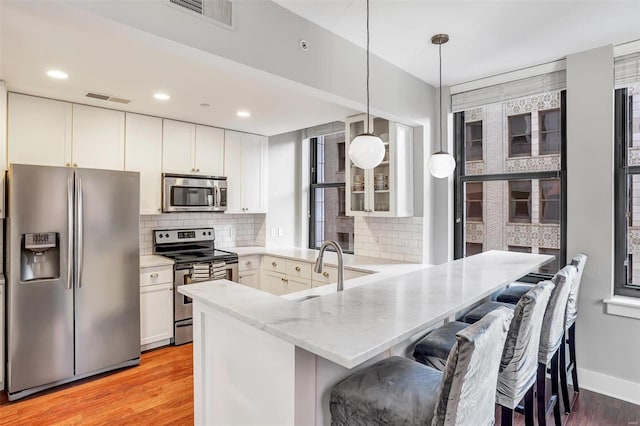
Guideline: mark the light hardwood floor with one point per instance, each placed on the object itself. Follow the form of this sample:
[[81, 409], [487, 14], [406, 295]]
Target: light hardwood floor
[[160, 392]]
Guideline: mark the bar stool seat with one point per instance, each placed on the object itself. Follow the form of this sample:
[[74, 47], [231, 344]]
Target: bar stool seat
[[513, 293], [434, 348], [478, 312], [399, 391]]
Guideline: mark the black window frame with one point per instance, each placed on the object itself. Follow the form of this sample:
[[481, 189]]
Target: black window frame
[[623, 268], [313, 176], [460, 178]]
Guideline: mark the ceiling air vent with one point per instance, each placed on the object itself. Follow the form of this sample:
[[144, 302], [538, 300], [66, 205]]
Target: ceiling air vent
[[218, 11], [107, 98]]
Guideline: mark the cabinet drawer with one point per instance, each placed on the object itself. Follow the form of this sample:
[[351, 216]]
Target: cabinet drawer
[[299, 269], [248, 263], [329, 275], [156, 275], [274, 264]]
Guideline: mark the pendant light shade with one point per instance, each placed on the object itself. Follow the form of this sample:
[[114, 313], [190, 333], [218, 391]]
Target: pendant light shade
[[366, 150], [441, 164]]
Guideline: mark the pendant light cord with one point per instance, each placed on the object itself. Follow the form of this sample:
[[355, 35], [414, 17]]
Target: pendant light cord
[[440, 59], [368, 66]]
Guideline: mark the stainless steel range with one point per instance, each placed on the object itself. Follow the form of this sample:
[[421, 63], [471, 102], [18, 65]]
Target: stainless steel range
[[196, 259]]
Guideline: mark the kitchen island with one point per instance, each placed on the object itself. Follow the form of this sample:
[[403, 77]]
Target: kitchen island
[[261, 359]]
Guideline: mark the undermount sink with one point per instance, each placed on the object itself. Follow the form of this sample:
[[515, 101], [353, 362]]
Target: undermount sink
[[302, 299]]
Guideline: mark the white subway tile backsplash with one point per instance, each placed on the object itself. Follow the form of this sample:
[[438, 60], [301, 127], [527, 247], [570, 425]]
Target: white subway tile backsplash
[[389, 238], [249, 230]]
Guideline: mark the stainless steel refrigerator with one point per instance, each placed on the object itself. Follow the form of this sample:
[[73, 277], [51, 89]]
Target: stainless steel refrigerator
[[72, 259]]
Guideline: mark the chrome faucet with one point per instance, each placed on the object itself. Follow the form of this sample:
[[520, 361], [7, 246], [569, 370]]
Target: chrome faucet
[[318, 267]]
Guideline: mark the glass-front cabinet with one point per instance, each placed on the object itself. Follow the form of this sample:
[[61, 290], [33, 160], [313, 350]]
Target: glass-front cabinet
[[387, 189]]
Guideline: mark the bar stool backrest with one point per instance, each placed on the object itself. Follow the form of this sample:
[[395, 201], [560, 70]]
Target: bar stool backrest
[[554, 317], [579, 263], [519, 363], [467, 392]]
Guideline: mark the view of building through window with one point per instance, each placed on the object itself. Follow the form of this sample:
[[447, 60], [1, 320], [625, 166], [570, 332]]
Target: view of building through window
[[511, 180], [328, 204]]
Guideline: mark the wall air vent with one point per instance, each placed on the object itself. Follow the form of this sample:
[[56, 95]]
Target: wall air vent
[[107, 98], [217, 11]]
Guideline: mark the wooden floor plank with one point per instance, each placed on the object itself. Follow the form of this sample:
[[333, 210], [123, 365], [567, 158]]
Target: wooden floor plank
[[160, 392]]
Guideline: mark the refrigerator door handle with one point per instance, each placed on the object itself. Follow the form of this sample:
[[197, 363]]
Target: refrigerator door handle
[[69, 234], [79, 230]]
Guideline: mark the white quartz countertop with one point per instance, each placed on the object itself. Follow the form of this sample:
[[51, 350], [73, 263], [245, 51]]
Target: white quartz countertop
[[362, 263], [151, 260], [353, 326]]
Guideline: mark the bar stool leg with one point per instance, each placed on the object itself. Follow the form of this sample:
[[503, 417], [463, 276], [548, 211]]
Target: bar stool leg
[[506, 416], [563, 376], [528, 407], [555, 400], [541, 399], [572, 357]]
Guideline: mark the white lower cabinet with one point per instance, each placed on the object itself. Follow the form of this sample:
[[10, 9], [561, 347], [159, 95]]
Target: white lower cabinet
[[249, 271], [156, 307], [250, 278]]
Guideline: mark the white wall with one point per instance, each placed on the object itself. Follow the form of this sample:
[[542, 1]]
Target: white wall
[[285, 190], [608, 346]]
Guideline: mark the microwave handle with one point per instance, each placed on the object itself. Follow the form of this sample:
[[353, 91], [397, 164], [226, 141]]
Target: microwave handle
[[218, 196]]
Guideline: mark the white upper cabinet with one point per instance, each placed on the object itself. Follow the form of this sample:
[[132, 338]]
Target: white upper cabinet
[[54, 133], [209, 151], [98, 138], [178, 144], [387, 189], [39, 131], [192, 149], [144, 154], [245, 164]]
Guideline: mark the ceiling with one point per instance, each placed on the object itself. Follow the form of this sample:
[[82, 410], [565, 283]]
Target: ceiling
[[486, 37], [105, 57]]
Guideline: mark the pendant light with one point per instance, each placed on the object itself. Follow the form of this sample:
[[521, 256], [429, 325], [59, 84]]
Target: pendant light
[[366, 150], [441, 163]]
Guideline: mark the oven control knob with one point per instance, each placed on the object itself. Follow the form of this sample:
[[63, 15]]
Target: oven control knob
[[166, 235], [204, 233], [209, 232], [159, 235]]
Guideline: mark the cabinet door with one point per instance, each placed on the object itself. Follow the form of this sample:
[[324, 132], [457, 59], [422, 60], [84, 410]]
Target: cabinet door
[[39, 131], [209, 151], [156, 313], [233, 170], [274, 283], [355, 177], [249, 278], [297, 284], [254, 158], [143, 154], [98, 138], [178, 146]]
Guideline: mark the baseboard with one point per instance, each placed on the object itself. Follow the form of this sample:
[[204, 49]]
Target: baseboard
[[609, 385]]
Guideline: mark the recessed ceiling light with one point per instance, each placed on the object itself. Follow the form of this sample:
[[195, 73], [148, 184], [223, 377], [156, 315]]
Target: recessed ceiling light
[[161, 96], [243, 114], [60, 75], [205, 105]]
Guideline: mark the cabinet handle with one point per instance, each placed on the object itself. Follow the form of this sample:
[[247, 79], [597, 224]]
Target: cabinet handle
[[154, 275], [284, 280], [75, 164], [67, 164], [170, 289], [193, 170], [248, 262], [274, 264], [325, 274], [297, 269], [197, 170]]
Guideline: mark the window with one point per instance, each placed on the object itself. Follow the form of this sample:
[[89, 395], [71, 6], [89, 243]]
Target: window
[[474, 201], [554, 266], [473, 248], [549, 124], [512, 200], [549, 200], [519, 249], [327, 219], [627, 191], [473, 141], [520, 201], [520, 135]]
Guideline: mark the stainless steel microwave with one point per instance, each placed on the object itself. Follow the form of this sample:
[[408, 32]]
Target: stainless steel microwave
[[188, 193]]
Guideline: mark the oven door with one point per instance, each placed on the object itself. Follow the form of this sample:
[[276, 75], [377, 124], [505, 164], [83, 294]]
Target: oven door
[[182, 305], [191, 194]]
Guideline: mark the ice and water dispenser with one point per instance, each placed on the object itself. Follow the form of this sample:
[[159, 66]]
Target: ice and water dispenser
[[40, 258]]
